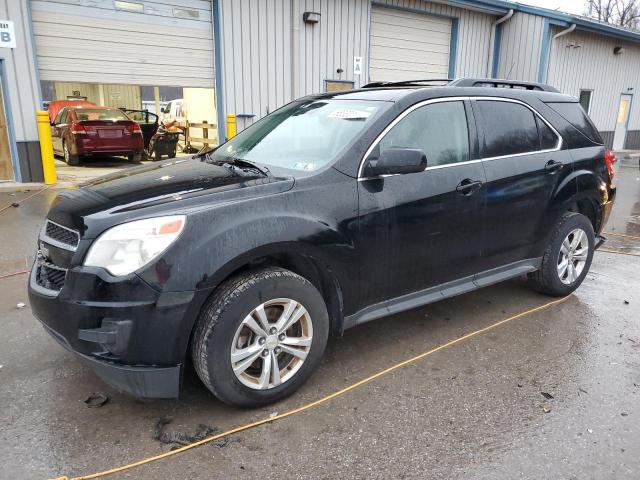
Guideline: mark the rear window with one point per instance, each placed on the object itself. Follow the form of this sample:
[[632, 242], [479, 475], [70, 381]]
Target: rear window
[[92, 114], [509, 128], [576, 116]]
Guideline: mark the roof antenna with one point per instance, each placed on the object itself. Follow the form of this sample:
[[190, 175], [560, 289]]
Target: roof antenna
[[513, 64]]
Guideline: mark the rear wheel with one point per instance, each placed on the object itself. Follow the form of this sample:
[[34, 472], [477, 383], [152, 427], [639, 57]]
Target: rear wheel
[[68, 157], [567, 258], [260, 337]]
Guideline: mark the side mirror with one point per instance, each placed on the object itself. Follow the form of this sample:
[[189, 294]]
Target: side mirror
[[396, 161]]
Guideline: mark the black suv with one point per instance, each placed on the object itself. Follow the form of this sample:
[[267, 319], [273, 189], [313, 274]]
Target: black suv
[[334, 210]]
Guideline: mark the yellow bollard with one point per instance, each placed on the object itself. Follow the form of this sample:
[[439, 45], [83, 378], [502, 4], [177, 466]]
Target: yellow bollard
[[46, 148], [231, 126]]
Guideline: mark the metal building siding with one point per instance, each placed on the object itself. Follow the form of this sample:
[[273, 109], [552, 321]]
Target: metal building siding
[[474, 31], [257, 55], [520, 47], [91, 41], [593, 66], [23, 91], [408, 45]]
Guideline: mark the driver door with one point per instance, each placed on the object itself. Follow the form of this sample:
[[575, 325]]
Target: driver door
[[421, 230]]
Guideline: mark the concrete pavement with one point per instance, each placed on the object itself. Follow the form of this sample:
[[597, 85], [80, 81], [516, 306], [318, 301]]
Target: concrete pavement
[[474, 410]]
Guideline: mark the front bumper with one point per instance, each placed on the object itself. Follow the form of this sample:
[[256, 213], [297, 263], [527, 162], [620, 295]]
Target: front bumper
[[132, 336], [142, 382]]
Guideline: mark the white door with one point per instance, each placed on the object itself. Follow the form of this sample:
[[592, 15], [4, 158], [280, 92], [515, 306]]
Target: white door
[[622, 122], [408, 45], [142, 42]]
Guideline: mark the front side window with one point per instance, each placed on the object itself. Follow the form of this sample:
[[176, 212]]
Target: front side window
[[509, 128], [438, 129], [302, 136]]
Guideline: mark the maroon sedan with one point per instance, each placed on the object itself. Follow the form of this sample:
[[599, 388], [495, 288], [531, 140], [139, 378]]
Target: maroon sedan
[[79, 132]]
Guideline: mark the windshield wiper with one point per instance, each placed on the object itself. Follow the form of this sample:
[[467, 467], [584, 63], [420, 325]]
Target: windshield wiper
[[239, 162]]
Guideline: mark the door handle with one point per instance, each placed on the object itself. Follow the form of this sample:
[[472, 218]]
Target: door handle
[[553, 167], [468, 186]]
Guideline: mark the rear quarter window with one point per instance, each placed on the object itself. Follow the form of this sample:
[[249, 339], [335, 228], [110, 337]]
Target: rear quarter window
[[585, 134]]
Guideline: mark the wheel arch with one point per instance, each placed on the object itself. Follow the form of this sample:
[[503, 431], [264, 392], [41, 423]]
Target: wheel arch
[[303, 260]]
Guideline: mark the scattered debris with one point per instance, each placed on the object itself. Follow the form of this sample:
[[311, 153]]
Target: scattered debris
[[580, 389], [273, 415], [178, 439], [546, 395], [624, 414], [96, 399], [626, 302], [20, 305], [15, 204], [589, 430], [546, 408], [519, 385]]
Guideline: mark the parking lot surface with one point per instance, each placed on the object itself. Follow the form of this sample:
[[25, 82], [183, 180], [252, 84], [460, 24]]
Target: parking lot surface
[[552, 394]]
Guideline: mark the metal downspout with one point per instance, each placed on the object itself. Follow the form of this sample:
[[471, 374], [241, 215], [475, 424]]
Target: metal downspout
[[492, 39], [295, 49], [561, 33]]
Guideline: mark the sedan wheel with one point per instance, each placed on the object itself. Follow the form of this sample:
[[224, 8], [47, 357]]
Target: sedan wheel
[[573, 255], [271, 344]]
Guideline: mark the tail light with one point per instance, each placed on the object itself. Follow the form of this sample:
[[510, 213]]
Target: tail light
[[609, 160], [78, 129], [133, 128]]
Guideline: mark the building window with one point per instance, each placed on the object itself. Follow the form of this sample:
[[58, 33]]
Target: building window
[[585, 99]]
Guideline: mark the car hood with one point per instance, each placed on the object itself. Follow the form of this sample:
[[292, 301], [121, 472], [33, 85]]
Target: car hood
[[147, 190]]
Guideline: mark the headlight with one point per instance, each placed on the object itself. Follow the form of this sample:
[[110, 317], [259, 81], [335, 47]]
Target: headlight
[[126, 248]]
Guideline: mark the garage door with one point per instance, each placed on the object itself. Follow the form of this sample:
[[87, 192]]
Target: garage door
[[408, 46], [161, 43]]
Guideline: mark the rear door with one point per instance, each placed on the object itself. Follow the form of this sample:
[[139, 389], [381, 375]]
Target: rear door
[[524, 165], [422, 229]]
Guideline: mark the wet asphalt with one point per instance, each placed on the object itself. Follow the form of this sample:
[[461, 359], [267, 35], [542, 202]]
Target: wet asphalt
[[551, 395]]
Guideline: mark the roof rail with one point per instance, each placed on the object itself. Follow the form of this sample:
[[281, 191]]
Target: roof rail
[[408, 83], [498, 83]]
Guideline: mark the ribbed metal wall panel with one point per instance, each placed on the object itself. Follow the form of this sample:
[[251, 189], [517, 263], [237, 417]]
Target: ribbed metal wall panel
[[474, 31], [92, 41], [257, 56], [586, 61], [256, 45], [23, 91], [520, 47]]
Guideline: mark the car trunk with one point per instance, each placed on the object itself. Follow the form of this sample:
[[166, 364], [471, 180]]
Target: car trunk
[[108, 136]]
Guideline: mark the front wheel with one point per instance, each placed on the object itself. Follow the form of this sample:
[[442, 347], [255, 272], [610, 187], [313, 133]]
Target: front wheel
[[260, 337], [567, 258]]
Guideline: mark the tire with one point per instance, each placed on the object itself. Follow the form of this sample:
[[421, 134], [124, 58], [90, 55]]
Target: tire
[[134, 157], [551, 279], [221, 328], [73, 160], [158, 156]]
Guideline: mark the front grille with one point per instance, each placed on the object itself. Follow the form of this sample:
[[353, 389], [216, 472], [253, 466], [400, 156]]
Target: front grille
[[60, 234], [50, 276]]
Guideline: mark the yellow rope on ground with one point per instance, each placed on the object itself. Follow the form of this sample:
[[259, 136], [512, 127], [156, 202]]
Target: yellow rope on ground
[[622, 235], [9, 205], [618, 252], [313, 404]]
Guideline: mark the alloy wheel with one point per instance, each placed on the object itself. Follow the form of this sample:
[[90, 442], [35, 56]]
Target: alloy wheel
[[271, 344], [65, 150], [573, 255]]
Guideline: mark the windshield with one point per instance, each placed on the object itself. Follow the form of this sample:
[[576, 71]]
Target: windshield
[[92, 114], [302, 135]]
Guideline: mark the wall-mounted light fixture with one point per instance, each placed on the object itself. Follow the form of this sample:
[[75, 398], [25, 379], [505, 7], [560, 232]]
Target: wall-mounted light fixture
[[311, 17], [618, 50]]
